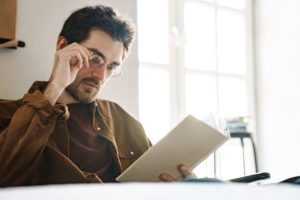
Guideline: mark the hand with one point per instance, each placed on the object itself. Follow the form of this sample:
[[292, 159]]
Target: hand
[[184, 171], [68, 61]]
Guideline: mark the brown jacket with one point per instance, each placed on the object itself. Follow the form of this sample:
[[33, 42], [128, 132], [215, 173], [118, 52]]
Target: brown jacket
[[34, 140]]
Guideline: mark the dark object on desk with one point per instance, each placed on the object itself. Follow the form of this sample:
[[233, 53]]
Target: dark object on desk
[[293, 180], [201, 180], [244, 179], [251, 178]]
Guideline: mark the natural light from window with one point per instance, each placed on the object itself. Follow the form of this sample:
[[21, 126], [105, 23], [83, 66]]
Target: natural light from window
[[194, 59]]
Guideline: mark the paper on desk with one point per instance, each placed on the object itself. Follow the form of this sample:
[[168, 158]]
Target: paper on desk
[[190, 142]]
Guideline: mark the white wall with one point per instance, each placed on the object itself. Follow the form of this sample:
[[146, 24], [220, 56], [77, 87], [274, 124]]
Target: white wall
[[278, 85], [38, 24]]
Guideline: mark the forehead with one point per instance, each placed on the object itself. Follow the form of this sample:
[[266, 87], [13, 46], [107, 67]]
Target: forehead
[[113, 50]]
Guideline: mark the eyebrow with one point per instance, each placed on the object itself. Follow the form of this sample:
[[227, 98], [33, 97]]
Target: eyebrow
[[102, 55]]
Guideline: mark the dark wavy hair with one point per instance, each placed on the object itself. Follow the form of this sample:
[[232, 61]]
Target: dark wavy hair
[[79, 24]]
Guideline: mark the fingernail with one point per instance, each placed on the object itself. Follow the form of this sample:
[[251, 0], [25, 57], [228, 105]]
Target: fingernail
[[163, 176], [183, 167]]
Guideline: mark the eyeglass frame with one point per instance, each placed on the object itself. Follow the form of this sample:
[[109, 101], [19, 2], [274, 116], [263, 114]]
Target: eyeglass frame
[[96, 57]]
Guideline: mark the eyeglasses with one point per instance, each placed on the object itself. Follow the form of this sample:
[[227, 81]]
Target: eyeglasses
[[112, 71]]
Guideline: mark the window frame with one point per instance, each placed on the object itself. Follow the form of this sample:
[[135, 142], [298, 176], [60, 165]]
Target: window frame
[[176, 66]]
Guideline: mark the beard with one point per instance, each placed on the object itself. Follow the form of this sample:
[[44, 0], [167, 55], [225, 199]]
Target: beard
[[85, 90]]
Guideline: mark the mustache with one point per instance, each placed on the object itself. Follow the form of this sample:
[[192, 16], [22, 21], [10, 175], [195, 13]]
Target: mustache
[[93, 80]]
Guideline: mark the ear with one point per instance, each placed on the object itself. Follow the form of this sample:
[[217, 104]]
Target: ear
[[61, 42]]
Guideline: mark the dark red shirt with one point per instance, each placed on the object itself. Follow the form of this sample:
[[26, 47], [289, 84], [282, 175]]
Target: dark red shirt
[[89, 151]]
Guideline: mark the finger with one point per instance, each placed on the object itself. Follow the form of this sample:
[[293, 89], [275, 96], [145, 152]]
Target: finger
[[185, 171], [166, 177], [88, 54], [85, 56], [83, 52], [75, 59]]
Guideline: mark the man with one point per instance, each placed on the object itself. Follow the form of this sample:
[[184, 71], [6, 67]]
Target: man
[[59, 132]]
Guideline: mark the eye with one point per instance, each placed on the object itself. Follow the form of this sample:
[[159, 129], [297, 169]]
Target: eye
[[115, 70], [111, 67], [96, 59]]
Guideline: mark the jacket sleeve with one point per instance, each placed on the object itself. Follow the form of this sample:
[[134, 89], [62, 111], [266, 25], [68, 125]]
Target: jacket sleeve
[[23, 140]]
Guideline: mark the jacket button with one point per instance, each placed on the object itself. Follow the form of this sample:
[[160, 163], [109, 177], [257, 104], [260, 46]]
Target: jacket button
[[131, 153], [98, 128]]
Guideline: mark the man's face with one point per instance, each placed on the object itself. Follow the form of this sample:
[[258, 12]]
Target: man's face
[[90, 80]]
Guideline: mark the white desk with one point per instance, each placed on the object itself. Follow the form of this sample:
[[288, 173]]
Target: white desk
[[155, 191]]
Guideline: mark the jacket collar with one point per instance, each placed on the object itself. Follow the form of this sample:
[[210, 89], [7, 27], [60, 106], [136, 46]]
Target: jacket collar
[[100, 112], [38, 85]]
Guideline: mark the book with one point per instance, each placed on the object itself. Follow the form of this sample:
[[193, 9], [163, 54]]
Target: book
[[189, 143]]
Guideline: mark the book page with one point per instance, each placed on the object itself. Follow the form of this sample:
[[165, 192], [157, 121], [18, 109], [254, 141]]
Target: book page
[[190, 142]]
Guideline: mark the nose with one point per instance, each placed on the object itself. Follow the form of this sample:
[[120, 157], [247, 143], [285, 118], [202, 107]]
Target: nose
[[100, 72]]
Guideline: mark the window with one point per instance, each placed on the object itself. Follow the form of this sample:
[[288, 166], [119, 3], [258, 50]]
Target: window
[[195, 58]]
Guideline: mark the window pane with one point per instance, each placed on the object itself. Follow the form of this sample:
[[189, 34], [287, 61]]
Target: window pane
[[199, 25], [233, 97], [205, 168], [201, 94], [230, 160], [231, 42], [238, 4], [154, 102], [249, 157], [153, 37]]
